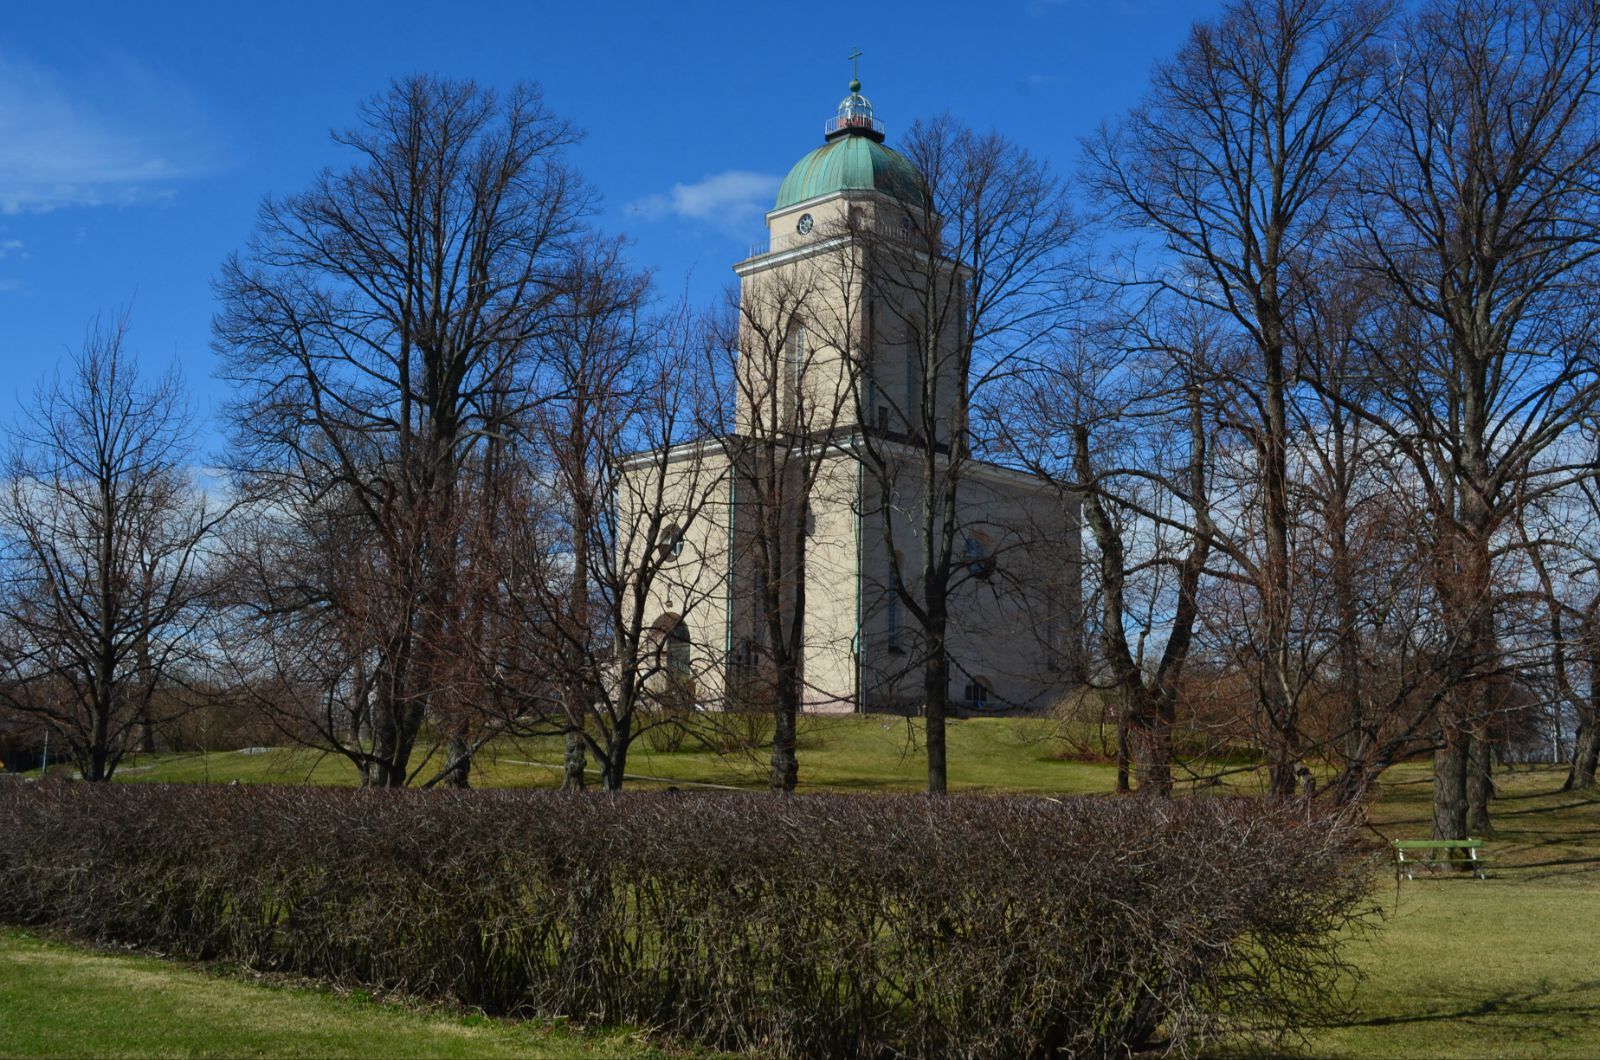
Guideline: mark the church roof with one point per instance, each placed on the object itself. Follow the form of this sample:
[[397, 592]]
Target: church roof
[[853, 159]]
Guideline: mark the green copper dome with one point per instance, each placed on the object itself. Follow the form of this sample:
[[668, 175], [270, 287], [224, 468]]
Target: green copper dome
[[853, 159], [850, 163]]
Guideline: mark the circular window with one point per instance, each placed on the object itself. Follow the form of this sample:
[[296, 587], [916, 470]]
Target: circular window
[[671, 546], [977, 554]]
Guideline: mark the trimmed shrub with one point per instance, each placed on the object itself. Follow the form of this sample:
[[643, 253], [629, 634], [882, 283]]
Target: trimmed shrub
[[859, 926]]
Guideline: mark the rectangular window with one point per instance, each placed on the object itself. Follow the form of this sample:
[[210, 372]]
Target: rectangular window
[[894, 609], [797, 358], [1052, 653], [914, 380]]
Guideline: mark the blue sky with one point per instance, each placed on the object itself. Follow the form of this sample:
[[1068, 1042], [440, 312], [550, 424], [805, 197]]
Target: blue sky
[[137, 139]]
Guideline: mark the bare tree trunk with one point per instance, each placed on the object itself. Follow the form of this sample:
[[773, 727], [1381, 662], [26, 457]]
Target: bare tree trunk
[[394, 733], [1480, 785], [460, 756], [1450, 786], [1586, 749], [613, 769], [1586, 745], [1465, 802], [792, 479], [1123, 754], [939, 515], [1586, 742], [98, 751], [1153, 746], [936, 690], [785, 761], [1277, 682]]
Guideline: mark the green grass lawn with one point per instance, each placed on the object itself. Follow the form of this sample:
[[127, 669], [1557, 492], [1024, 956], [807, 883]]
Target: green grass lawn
[[1459, 967], [1496, 967], [848, 753], [1503, 967], [58, 1000]]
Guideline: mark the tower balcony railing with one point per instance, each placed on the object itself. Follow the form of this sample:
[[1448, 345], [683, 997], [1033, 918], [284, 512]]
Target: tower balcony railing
[[852, 121]]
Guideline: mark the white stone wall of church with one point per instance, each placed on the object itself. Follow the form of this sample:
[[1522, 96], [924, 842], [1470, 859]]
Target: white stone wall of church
[[1017, 628], [831, 589], [695, 497]]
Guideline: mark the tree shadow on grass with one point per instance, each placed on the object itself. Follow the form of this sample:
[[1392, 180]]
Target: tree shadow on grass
[[1539, 1013], [1554, 868], [1555, 808], [1534, 1015]]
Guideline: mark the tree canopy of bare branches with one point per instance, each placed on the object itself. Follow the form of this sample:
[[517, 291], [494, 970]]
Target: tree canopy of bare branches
[[379, 329], [969, 292], [105, 553], [1231, 165], [1477, 213]]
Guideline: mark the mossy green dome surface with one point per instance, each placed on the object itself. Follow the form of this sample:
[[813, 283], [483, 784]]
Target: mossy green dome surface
[[850, 163]]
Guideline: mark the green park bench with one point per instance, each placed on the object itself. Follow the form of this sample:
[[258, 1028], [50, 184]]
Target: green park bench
[[1434, 852]]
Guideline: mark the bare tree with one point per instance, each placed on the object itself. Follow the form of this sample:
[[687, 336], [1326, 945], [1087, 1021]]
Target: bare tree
[[104, 550], [590, 359], [380, 329], [968, 289], [1478, 212], [1565, 559], [789, 349], [1120, 419], [1231, 163], [609, 548]]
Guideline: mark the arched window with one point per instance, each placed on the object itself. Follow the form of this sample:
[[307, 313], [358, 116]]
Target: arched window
[[671, 678], [669, 636], [978, 555], [679, 646], [797, 356]]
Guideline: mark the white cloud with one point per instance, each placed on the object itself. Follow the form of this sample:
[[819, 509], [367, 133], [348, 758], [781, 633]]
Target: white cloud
[[122, 138], [10, 247], [729, 200]]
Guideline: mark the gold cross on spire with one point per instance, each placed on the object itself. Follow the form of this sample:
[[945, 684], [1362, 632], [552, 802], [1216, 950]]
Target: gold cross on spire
[[855, 64]]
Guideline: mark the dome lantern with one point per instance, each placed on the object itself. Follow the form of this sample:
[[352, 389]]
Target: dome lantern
[[855, 117], [852, 158]]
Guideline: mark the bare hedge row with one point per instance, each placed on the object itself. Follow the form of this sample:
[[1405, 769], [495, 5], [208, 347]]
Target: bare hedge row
[[799, 925]]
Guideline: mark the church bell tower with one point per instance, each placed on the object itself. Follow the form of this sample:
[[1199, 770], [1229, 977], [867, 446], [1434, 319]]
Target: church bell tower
[[820, 342]]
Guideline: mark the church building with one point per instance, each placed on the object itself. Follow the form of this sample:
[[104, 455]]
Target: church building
[[833, 371]]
